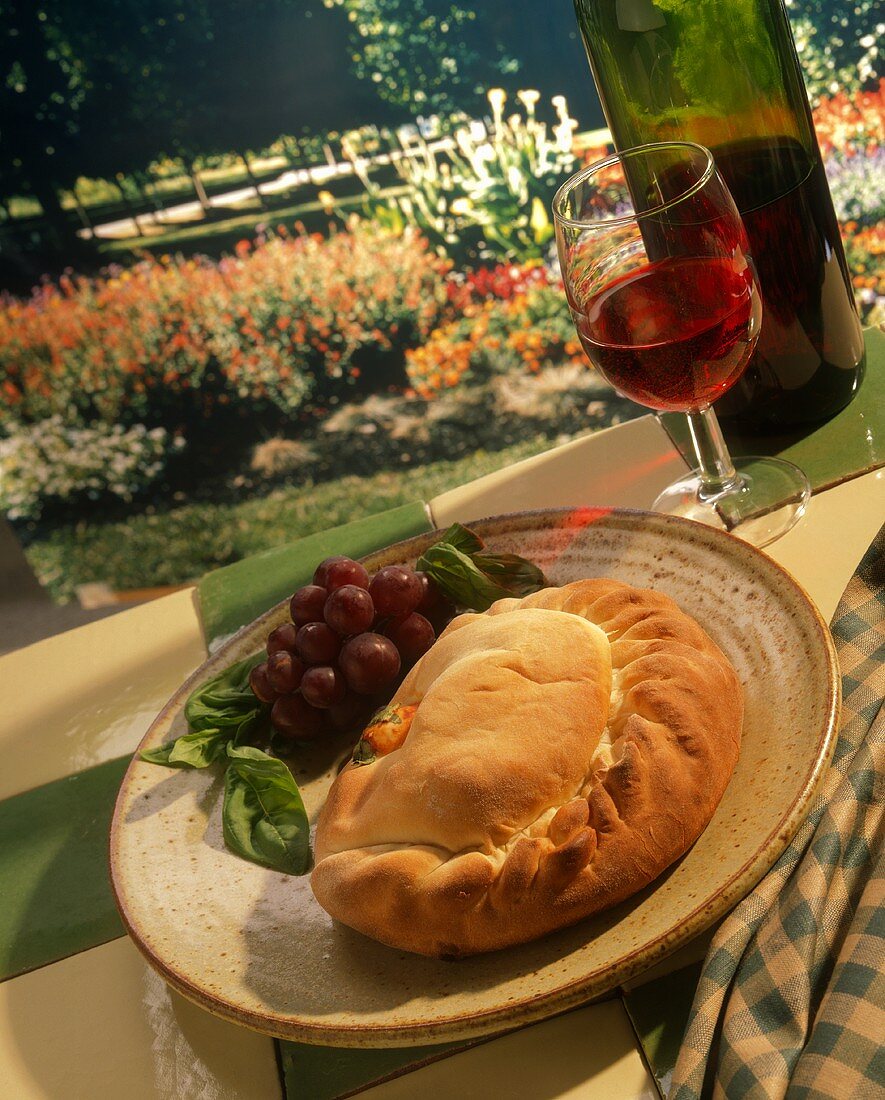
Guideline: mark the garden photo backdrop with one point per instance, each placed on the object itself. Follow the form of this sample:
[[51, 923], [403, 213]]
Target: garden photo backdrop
[[270, 267]]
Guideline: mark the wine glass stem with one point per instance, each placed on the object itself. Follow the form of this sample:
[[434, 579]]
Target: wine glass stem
[[717, 472]]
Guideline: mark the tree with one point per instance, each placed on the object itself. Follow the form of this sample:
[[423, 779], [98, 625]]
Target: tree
[[70, 70], [100, 87], [44, 87], [837, 43], [442, 56]]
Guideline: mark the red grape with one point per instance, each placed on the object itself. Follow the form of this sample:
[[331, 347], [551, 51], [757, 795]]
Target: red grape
[[395, 591], [260, 684], [369, 662], [412, 636], [351, 713], [306, 606], [323, 685], [431, 596], [317, 644], [334, 572], [284, 671], [434, 606], [349, 610], [283, 637], [439, 620], [293, 717]]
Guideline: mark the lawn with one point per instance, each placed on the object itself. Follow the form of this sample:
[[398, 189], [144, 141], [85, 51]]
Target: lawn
[[173, 545]]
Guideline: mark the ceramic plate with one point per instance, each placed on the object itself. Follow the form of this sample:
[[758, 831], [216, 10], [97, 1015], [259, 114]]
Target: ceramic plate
[[253, 946]]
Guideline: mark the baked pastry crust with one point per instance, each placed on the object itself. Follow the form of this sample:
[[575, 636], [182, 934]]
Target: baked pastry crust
[[557, 754]]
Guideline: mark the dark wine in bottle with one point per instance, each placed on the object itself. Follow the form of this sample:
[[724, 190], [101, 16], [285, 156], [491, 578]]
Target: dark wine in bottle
[[726, 75]]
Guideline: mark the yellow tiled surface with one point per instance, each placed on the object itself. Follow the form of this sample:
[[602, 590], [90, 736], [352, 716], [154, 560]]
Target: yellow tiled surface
[[624, 467], [824, 548], [589, 1054], [90, 694], [103, 1026]]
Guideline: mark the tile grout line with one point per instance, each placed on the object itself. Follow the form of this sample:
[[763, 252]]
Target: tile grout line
[[60, 958], [639, 1045]]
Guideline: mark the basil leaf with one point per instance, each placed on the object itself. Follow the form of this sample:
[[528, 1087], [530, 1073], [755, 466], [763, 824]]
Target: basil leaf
[[463, 539], [222, 710], [263, 817], [192, 750], [474, 579], [227, 702], [363, 753], [459, 578], [518, 575]]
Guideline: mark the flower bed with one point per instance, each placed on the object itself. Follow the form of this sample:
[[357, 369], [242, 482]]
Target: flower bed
[[851, 131], [280, 321], [91, 363], [54, 464], [851, 122], [299, 318], [114, 349], [509, 319]]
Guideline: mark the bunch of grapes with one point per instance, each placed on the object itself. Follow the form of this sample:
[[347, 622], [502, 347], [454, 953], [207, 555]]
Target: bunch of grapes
[[349, 640]]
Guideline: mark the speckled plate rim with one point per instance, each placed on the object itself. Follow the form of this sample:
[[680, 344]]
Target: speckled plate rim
[[570, 994]]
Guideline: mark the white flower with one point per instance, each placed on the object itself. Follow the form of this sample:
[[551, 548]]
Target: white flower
[[497, 98], [54, 461], [563, 134], [514, 179], [528, 97]]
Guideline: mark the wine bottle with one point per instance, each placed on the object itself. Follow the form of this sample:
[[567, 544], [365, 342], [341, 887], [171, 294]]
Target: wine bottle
[[725, 74]]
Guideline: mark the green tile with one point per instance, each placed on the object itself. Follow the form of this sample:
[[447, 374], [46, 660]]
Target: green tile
[[852, 443], [234, 595], [327, 1073], [659, 1012], [55, 893]]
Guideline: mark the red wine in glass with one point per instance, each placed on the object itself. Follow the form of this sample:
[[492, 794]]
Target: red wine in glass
[[673, 335], [664, 295]]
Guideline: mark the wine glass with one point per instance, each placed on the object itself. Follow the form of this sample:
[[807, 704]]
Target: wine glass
[[663, 293]]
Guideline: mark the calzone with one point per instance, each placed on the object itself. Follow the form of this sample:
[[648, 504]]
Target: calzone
[[542, 761]]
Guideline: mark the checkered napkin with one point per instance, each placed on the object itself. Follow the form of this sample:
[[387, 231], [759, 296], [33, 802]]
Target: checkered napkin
[[791, 1001]]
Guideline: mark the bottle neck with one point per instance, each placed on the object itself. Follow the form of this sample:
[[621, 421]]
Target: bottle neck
[[714, 73]]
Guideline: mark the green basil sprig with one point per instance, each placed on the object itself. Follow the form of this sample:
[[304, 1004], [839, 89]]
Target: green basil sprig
[[263, 816], [474, 579], [198, 749], [228, 702], [222, 710]]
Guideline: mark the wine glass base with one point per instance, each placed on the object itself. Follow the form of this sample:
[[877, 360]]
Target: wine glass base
[[769, 497]]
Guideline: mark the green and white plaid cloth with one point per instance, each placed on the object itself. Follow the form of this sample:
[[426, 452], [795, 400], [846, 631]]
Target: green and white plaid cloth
[[791, 1001]]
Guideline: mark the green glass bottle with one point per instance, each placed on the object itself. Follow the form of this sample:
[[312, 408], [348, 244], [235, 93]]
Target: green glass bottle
[[725, 73]]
